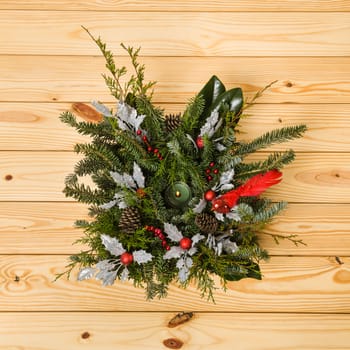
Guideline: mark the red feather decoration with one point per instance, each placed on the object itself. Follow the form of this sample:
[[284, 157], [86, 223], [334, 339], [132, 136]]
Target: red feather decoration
[[253, 187]]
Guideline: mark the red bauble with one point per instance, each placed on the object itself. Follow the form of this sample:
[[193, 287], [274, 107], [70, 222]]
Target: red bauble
[[126, 258], [200, 142], [209, 195], [185, 243]]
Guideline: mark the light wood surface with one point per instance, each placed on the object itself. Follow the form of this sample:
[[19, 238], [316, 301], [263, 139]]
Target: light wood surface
[[134, 331], [47, 62], [316, 80], [179, 5], [179, 33], [290, 284], [38, 127]]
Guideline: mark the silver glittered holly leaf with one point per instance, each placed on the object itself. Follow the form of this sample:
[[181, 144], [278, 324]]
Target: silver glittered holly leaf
[[117, 199], [123, 179], [196, 238], [200, 206], [124, 275], [107, 277], [141, 256], [86, 273], [138, 176], [100, 107], [174, 252], [172, 232], [211, 125], [112, 245], [225, 181], [128, 118]]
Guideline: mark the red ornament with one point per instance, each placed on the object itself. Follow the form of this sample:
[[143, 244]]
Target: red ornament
[[209, 195], [200, 142], [126, 258], [185, 243]]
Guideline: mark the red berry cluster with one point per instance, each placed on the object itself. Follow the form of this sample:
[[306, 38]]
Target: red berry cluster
[[158, 233], [150, 149], [210, 170]]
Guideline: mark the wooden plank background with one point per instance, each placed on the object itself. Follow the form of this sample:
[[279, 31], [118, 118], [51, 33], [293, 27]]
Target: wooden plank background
[[47, 62]]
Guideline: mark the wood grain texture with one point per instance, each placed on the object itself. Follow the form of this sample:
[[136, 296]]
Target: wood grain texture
[[134, 331], [39, 176], [178, 33], [36, 228], [315, 80], [178, 5], [38, 127], [290, 284]]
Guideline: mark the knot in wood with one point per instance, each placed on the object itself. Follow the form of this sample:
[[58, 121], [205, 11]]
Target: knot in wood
[[173, 343]]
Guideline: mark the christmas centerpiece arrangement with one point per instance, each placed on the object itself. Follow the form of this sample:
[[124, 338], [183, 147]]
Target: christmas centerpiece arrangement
[[174, 198]]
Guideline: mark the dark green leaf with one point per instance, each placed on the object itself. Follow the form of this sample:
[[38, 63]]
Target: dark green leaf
[[231, 100]]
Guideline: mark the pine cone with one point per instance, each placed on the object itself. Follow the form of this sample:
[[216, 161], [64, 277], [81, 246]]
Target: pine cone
[[130, 220], [172, 121], [206, 223]]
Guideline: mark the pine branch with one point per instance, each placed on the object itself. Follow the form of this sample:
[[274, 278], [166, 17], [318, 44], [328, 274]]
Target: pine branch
[[272, 137], [276, 160], [277, 238]]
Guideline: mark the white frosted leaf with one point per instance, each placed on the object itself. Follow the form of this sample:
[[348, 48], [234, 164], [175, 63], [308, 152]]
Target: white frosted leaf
[[100, 107], [183, 274], [227, 177], [129, 181], [172, 232], [112, 245], [123, 179], [108, 205], [86, 273], [233, 215], [219, 216], [128, 118], [188, 262], [192, 251], [196, 238], [180, 263], [105, 265], [124, 275], [229, 247], [227, 187], [210, 126], [200, 206], [141, 256], [107, 277], [138, 176], [174, 252], [220, 147]]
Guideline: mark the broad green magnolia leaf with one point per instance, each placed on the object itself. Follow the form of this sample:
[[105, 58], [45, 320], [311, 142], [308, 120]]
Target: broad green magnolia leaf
[[210, 92], [231, 100]]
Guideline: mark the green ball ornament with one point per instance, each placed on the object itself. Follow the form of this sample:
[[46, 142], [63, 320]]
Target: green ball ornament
[[178, 195]]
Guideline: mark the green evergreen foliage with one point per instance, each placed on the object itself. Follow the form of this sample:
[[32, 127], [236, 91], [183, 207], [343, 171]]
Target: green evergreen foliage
[[133, 161]]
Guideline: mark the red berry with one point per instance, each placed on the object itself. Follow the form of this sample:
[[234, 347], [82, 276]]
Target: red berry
[[185, 243], [139, 132], [209, 195], [156, 150], [199, 142], [209, 178], [160, 158], [144, 138], [126, 258], [161, 236], [211, 164], [167, 247], [149, 149], [164, 244], [158, 231], [215, 171], [207, 171], [151, 228]]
